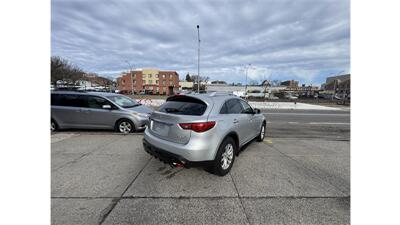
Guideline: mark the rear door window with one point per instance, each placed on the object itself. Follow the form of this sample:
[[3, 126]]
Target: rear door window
[[183, 105], [224, 109]]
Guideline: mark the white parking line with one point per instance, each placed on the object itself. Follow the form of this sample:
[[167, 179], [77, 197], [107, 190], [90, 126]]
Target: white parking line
[[329, 123], [293, 122], [307, 114]]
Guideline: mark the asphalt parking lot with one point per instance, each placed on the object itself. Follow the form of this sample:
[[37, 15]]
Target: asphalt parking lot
[[293, 177]]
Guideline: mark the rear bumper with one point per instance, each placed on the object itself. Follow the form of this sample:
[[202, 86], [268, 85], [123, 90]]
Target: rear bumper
[[195, 150], [171, 158]]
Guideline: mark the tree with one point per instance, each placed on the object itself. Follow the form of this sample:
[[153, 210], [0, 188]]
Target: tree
[[202, 79], [188, 78], [62, 70], [104, 81]]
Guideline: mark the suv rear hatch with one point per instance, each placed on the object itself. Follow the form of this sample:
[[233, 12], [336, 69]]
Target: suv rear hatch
[[178, 109]]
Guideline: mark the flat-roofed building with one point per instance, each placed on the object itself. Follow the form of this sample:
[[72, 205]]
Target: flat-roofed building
[[151, 81]]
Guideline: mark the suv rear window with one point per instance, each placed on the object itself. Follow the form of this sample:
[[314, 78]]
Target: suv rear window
[[183, 105]]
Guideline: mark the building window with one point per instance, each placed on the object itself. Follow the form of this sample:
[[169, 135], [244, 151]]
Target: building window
[[163, 82], [156, 81], [163, 75], [144, 81], [149, 76], [144, 75], [134, 81], [156, 75], [150, 82]]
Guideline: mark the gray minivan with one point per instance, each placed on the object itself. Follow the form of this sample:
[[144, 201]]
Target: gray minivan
[[97, 110]]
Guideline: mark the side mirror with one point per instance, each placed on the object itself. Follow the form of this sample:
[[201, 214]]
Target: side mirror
[[106, 106], [257, 111]]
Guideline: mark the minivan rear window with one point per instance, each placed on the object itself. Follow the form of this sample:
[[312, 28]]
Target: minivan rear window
[[70, 100], [183, 105]]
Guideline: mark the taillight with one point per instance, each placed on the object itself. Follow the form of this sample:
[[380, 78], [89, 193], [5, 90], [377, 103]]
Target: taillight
[[198, 127]]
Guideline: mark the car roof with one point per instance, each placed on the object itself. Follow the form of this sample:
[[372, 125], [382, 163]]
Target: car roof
[[104, 94], [212, 98]]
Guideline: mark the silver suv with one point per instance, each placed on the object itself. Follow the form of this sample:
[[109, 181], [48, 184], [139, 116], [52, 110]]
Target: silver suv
[[202, 130], [97, 110]]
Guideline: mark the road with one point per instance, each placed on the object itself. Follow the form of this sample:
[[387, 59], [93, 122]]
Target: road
[[300, 174], [324, 124]]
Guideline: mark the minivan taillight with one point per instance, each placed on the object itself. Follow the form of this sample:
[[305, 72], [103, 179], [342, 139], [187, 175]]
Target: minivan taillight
[[198, 127]]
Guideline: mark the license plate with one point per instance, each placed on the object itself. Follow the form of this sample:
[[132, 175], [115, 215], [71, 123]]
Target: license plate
[[160, 129]]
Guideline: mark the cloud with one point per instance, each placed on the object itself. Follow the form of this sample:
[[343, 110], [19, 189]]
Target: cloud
[[306, 40]]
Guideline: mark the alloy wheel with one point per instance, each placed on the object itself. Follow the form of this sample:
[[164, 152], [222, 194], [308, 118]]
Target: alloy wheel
[[125, 127], [52, 126], [227, 156], [262, 132]]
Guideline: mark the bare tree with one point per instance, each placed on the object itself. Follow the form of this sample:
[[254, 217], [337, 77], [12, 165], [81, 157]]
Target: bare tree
[[202, 79], [63, 70], [104, 81]]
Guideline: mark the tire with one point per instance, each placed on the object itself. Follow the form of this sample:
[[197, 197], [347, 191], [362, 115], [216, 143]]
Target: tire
[[53, 126], [225, 158], [261, 135], [125, 126]]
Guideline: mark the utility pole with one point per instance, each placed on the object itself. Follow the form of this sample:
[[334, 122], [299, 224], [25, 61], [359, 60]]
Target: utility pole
[[198, 60], [130, 73]]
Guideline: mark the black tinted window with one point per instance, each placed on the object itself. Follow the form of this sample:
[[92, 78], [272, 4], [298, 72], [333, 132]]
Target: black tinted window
[[224, 109], [55, 99], [183, 105], [234, 106], [70, 100]]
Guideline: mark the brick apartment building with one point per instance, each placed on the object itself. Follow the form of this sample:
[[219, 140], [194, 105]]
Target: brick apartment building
[[151, 81]]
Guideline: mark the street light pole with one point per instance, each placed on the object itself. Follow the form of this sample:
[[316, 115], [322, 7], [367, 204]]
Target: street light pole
[[198, 60], [130, 73], [247, 69]]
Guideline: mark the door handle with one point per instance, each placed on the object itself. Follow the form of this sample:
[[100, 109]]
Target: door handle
[[235, 121]]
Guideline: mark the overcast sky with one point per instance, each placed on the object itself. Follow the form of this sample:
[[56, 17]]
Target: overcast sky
[[299, 39]]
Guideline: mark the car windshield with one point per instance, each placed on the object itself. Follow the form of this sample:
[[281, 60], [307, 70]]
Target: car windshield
[[123, 101]]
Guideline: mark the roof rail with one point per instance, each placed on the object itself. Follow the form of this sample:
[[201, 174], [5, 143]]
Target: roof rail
[[219, 93]]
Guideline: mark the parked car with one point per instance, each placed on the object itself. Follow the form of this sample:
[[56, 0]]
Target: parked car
[[273, 98], [203, 130], [291, 97], [97, 110]]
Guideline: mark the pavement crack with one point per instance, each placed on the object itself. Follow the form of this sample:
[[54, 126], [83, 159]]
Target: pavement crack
[[104, 214], [240, 199], [206, 197]]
